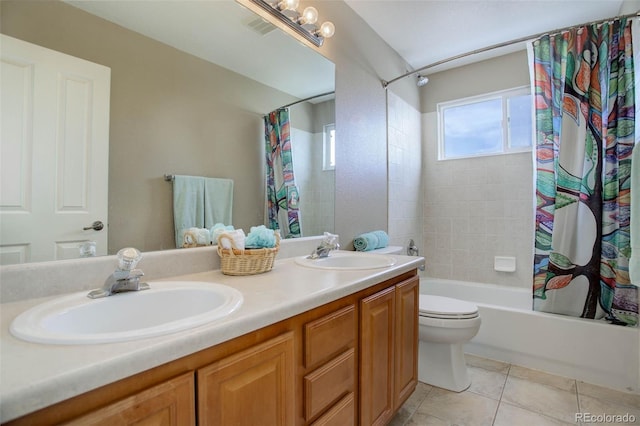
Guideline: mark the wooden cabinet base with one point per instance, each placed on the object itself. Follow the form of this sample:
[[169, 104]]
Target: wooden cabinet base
[[351, 361], [168, 404], [388, 347]]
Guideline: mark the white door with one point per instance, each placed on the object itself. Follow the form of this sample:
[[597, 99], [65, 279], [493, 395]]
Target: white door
[[54, 153]]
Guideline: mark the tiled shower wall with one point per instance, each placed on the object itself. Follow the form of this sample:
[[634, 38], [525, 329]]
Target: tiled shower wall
[[473, 209], [316, 186], [482, 207], [461, 213], [476, 209], [405, 172]]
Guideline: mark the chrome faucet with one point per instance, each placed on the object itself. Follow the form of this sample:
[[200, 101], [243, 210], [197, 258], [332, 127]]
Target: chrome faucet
[[412, 249], [329, 243], [124, 278]]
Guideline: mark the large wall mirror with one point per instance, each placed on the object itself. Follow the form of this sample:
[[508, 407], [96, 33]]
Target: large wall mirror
[[190, 82]]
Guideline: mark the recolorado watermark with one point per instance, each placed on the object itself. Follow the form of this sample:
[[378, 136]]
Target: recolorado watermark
[[605, 418]]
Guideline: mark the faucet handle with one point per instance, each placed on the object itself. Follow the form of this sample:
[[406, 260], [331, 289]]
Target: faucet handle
[[128, 258], [330, 239]]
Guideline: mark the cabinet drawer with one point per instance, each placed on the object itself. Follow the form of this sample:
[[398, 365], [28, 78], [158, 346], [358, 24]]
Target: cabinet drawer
[[329, 336], [329, 383], [341, 414]]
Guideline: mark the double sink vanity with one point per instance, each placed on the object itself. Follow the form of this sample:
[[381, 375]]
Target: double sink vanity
[[330, 341]]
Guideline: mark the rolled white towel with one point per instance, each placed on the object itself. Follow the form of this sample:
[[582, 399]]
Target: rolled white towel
[[218, 229], [232, 239], [196, 236]]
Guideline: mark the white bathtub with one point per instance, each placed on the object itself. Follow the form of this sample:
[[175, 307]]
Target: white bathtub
[[586, 350]]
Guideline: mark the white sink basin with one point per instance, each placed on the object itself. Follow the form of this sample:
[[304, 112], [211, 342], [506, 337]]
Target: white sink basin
[[167, 307], [348, 260]]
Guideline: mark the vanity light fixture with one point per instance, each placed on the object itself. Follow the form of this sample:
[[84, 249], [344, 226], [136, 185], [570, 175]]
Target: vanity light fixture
[[302, 24]]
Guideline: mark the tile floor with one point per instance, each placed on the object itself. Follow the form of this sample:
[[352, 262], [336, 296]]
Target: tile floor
[[503, 394]]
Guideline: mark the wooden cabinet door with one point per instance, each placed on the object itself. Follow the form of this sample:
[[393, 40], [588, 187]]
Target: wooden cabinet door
[[377, 357], [406, 340], [171, 403], [252, 387]]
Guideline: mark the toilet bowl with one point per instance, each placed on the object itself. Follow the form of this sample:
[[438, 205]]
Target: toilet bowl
[[445, 325]]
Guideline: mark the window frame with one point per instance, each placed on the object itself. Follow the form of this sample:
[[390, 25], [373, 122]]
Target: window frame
[[504, 95], [328, 147]]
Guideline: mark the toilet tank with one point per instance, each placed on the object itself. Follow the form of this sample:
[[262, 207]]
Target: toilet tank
[[388, 250]]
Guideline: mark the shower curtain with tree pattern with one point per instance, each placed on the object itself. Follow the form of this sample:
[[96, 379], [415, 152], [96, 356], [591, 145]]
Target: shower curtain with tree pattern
[[584, 112], [282, 192]]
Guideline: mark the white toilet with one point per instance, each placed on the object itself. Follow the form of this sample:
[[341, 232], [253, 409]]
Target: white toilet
[[446, 324]]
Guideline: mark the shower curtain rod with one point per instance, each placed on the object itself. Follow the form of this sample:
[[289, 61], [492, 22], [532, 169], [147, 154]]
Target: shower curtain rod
[[385, 83], [307, 99]]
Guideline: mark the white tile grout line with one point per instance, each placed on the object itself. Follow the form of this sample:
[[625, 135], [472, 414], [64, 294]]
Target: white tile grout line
[[575, 382]]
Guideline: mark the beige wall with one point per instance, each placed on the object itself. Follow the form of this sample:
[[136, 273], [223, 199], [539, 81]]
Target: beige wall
[[170, 130], [170, 113], [476, 208], [491, 75]]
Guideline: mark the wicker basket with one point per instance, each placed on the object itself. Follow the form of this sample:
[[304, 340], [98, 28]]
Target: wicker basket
[[248, 261], [189, 240]]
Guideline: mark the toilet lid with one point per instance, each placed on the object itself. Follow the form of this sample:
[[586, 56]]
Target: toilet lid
[[446, 307]]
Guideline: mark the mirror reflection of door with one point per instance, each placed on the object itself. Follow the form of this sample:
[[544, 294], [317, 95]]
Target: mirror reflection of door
[[54, 154]]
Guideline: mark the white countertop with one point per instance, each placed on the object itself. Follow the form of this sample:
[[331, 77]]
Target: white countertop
[[33, 376]]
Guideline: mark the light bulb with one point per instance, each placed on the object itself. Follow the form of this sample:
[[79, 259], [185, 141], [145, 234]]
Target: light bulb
[[309, 15], [289, 4], [327, 29]]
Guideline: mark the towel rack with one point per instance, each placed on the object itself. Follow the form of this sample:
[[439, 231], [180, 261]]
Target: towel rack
[[168, 178]]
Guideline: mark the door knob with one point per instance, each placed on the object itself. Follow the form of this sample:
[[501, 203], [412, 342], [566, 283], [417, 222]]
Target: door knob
[[96, 226]]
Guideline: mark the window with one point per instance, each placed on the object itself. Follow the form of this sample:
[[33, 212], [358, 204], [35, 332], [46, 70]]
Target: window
[[329, 147], [495, 123]]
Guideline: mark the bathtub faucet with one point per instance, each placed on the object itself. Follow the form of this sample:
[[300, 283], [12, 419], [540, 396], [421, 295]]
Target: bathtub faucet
[[412, 250]]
